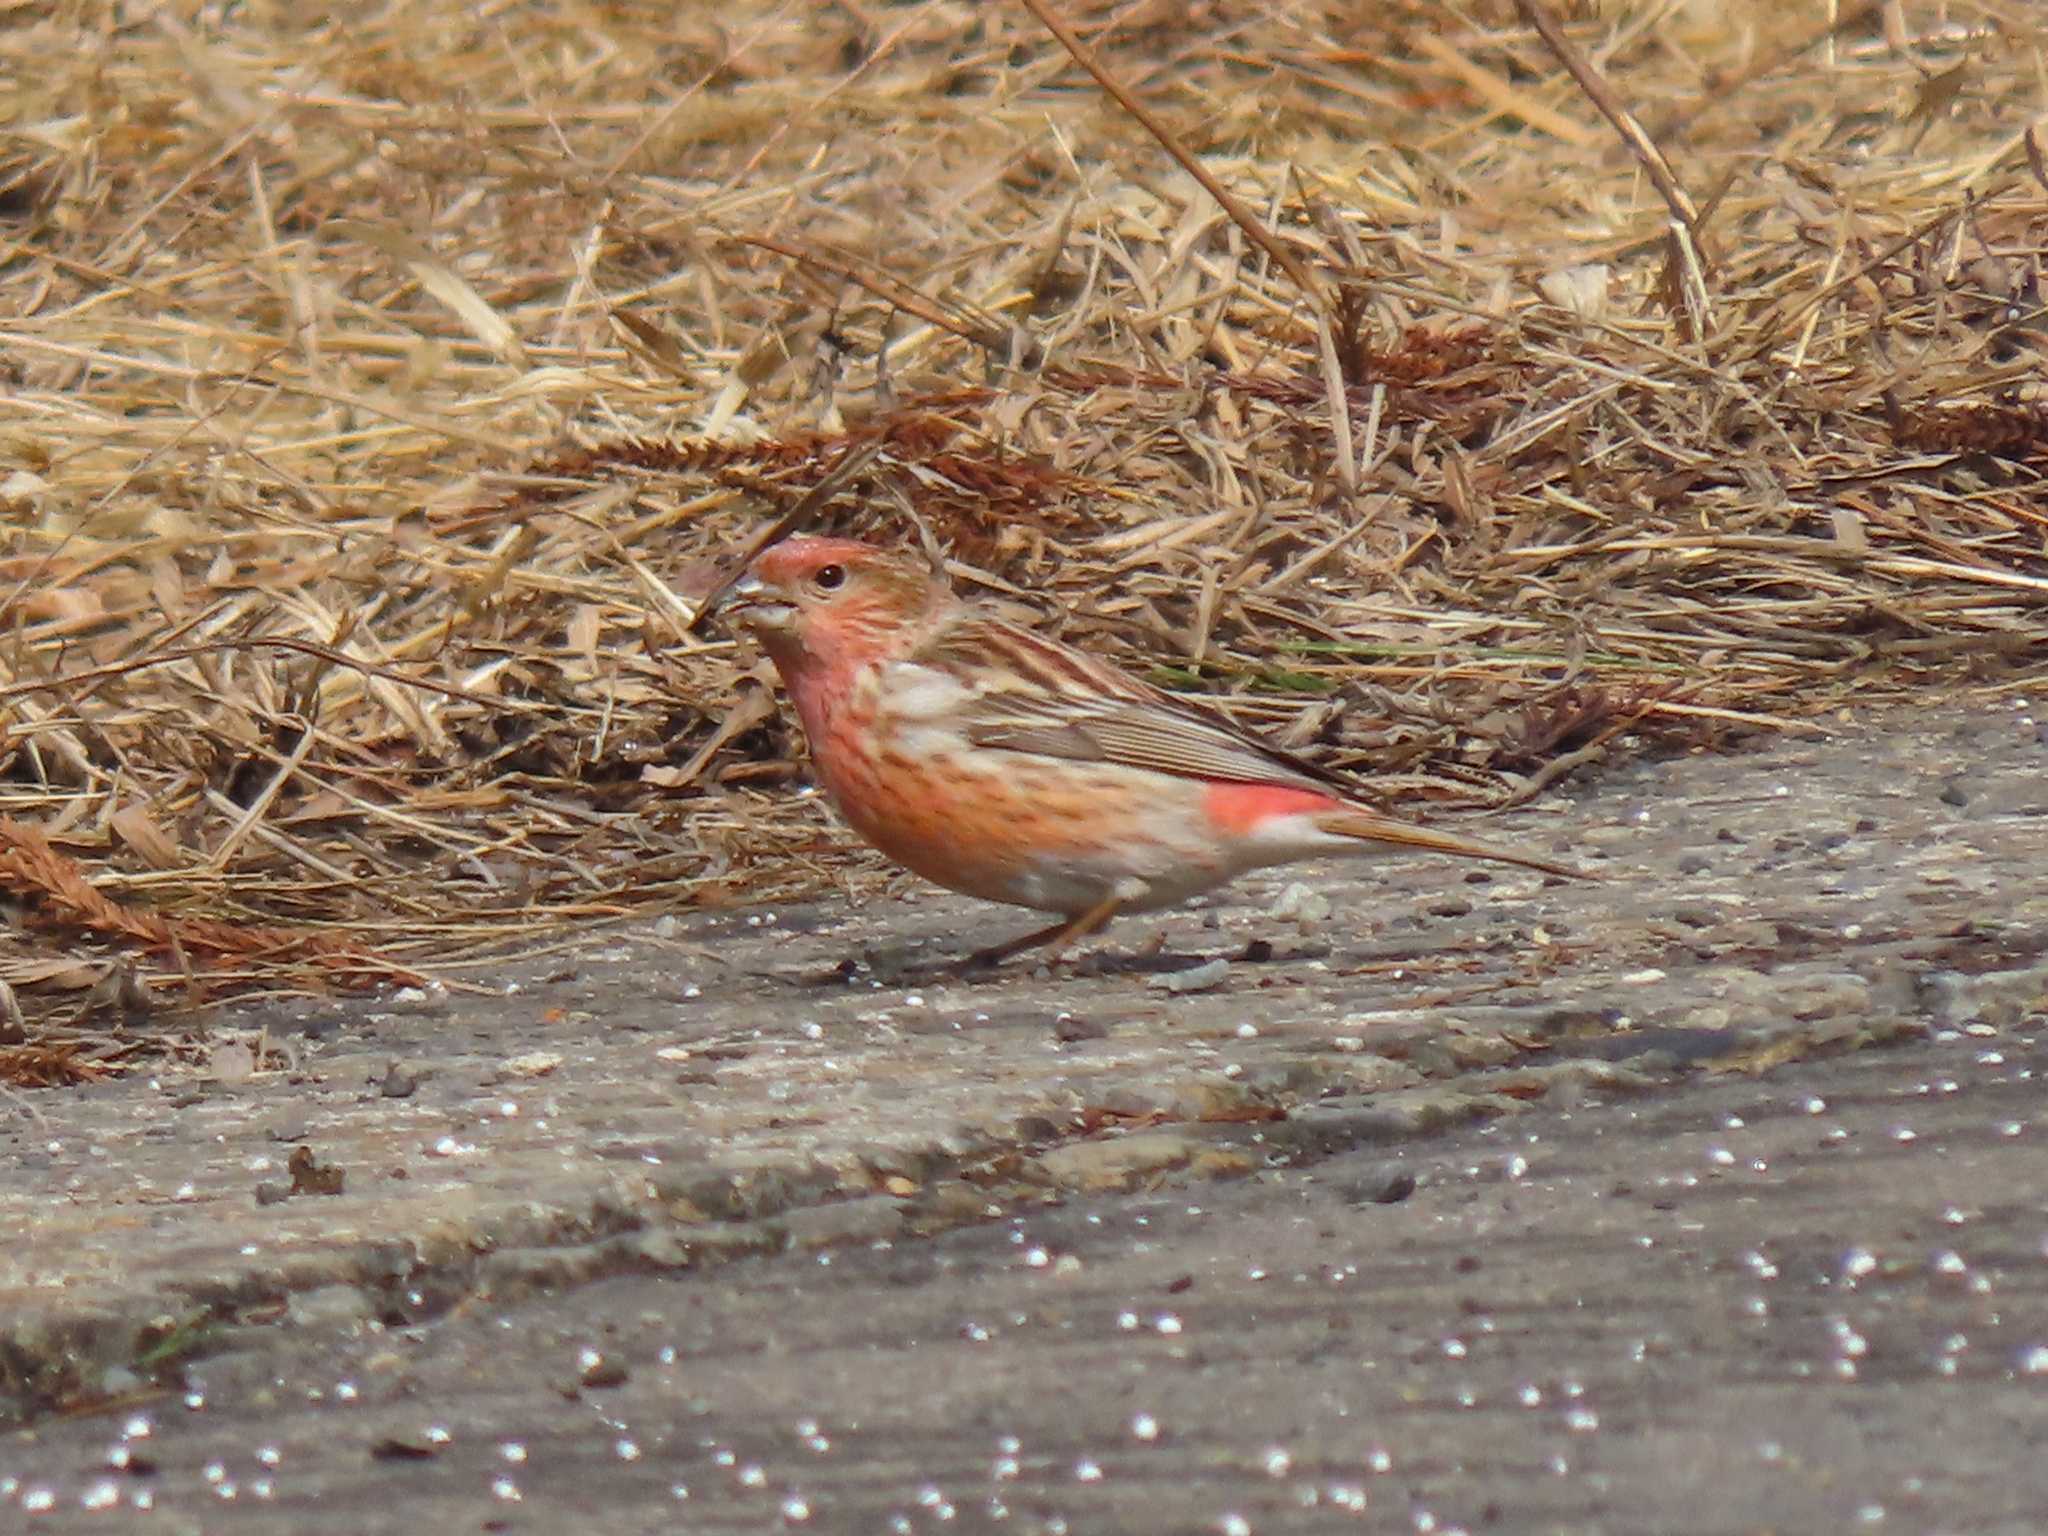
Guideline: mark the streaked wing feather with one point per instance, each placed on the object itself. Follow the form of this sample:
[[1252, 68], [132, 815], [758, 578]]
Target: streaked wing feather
[[1048, 700], [1165, 740]]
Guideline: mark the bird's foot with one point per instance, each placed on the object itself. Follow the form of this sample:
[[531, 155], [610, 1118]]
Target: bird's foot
[[1055, 939]]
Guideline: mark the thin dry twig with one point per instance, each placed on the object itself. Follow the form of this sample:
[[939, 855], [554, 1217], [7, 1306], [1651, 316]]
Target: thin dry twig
[[1239, 215], [1624, 122]]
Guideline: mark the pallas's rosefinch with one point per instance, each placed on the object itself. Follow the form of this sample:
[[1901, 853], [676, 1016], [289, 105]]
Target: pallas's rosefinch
[[1005, 765]]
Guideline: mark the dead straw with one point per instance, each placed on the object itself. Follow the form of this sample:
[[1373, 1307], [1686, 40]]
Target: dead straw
[[378, 408]]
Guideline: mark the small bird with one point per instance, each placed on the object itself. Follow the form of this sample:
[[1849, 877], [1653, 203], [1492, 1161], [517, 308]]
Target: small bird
[[1003, 764]]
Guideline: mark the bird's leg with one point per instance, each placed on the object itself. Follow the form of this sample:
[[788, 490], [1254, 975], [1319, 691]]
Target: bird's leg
[[1056, 938], [1093, 921]]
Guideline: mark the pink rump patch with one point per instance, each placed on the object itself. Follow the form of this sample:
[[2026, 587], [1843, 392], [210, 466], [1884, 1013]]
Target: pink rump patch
[[1242, 809]]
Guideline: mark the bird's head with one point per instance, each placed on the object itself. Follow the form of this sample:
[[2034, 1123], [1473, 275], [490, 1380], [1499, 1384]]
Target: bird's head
[[829, 603]]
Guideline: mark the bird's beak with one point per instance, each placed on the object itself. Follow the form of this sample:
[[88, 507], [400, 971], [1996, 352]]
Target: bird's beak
[[749, 602]]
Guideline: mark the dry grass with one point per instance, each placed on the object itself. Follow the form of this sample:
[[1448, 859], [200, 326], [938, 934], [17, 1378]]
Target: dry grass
[[373, 389]]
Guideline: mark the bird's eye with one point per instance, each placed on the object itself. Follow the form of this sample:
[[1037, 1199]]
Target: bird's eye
[[829, 578]]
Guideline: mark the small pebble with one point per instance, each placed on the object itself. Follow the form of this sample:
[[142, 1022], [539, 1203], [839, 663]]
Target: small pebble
[[1382, 1184], [1299, 903], [1068, 1028], [1209, 974]]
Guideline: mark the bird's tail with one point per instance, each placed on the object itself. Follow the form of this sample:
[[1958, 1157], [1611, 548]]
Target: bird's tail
[[1369, 827]]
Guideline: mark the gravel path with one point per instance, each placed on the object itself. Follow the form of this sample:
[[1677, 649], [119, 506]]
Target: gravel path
[[1485, 1203]]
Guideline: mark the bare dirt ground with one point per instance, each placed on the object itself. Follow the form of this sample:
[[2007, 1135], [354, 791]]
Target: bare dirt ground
[[1492, 1204]]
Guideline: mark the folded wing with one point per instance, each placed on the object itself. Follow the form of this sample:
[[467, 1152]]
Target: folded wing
[[1022, 693]]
